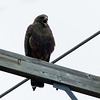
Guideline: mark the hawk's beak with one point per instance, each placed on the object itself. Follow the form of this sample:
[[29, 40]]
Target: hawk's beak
[[45, 20]]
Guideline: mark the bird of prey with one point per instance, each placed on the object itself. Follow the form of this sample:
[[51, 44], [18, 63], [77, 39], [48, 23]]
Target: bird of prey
[[39, 43]]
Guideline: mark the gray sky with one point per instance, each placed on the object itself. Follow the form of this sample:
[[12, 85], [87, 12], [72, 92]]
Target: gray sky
[[71, 22]]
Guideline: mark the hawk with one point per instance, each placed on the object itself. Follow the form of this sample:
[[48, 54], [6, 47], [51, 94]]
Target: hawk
[[39, 42]]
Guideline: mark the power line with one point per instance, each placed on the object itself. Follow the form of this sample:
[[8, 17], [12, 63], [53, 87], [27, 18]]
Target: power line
[[57, 59], [76, 47], [14, 87]]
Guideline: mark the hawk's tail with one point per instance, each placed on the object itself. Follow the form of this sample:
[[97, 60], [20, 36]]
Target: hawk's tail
[[36, 84]]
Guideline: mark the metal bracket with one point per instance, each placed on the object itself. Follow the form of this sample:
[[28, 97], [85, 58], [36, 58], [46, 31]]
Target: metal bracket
[[66, 89]]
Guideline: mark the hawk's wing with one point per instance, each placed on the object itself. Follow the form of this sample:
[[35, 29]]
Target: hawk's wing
[[26, 42]]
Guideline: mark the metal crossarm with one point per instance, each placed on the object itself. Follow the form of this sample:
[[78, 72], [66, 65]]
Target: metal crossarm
[[20, 58], [66, 89], [49, 73]]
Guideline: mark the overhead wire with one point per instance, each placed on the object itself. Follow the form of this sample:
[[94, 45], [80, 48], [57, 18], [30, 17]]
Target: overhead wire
[[14, 87]]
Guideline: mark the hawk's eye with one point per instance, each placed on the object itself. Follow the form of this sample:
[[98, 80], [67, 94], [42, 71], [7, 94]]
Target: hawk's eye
[[42, 17]]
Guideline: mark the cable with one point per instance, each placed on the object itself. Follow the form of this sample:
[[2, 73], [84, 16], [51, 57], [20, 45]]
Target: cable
[[57, 59], [14, 87], [76, 47]]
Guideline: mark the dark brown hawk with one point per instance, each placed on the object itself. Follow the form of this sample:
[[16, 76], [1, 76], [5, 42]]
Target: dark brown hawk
[[39, 42]]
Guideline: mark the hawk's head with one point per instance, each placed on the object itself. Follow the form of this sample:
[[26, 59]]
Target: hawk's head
[[42, 19]]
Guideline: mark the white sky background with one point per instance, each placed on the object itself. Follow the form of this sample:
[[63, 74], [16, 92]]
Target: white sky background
[[71, 22]]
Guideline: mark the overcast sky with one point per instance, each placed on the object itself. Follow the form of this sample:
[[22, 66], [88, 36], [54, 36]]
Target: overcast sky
[[71, 21]]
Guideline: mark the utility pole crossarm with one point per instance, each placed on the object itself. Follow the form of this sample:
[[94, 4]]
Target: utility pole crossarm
[[49, 73]]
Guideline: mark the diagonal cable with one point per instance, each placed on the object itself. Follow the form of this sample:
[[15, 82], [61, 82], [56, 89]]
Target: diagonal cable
[[57, 59], [76, 47], [14, 87]]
